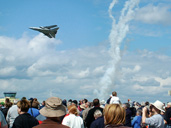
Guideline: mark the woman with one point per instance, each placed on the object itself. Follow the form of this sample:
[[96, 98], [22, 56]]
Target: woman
[[114, 116], [73, 120], [24, 120]]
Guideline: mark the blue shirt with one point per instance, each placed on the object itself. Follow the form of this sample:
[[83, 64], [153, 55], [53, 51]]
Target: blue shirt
[[2, 120], [136, 122], [33, 112]]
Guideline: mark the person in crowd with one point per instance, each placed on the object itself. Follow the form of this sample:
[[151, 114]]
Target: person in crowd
[[135, 105], [82, 108], [90, 117], [156, 120], [75, 102], [139, 106], [69, 102], [5, 110], [7, 100], [114, 99], [85, 112], [43, 104], [53, 111], [24, 120], [136, 122], [24, 98], [102, 104], [64, 102], [99, 120], [3, 123], [147, 104], [33, 110], [128, 114], [167, 115], [85, 101], [79, 103], [73, 120], [114, 116], [12, 114], [133, 110], [2, 105]]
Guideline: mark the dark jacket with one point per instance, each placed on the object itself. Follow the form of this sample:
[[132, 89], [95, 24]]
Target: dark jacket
[[5, 111], [115, 126], [108, 100], [90, 117], [25, 121], [128, 117], [50, 124], [167, 116], [98, 123]]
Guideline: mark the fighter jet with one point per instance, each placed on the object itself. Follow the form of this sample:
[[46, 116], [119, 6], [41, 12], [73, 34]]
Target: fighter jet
[[49, 31]]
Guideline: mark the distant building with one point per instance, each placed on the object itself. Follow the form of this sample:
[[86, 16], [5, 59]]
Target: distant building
[[10, 95]]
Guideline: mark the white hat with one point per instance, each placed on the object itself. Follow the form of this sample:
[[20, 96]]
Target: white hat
[[169, 103], [159, 105]]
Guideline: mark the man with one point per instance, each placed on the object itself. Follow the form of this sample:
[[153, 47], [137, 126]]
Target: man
[[155, 121], [99, 120], [43, 104], [24, 120], [7, 106], [128, 114], [3, 123], [114, 99], [86, 110], [12, 114], [167, 115], [90, 117], [53, 111]]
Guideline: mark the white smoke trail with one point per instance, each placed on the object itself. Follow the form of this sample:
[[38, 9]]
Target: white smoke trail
[[117, 34]]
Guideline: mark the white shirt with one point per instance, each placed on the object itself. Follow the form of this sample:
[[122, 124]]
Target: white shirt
[[73, 121], [11, 115], [114, 100]]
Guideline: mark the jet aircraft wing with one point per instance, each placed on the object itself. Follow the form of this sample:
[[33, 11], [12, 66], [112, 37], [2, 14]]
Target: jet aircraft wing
[[48, 34], [49, 27]]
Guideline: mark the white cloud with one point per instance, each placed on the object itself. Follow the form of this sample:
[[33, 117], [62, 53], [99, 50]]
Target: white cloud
[[81, 74], [152, 14], [42, 43], [7, 71], [61, 79], [137, 68], [98, 70], [4, 84], [164, 82], [34, 72], [84, 73]]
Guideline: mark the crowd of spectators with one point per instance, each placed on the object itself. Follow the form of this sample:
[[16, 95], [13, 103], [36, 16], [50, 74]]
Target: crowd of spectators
[[58, 113]]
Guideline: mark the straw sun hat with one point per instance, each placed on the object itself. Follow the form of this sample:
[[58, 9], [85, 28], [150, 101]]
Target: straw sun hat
[[53, 108]]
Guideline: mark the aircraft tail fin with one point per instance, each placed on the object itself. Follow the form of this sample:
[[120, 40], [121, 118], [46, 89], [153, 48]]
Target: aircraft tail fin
[[55, 30]]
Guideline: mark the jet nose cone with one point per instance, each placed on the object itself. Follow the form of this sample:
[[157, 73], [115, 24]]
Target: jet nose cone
[[34, 28], [31, 27]]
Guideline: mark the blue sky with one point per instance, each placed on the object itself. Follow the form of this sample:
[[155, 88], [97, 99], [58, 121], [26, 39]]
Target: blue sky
[[72, 64]]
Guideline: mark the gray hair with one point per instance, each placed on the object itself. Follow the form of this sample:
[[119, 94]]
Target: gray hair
[[139, 112], [97, 114]]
